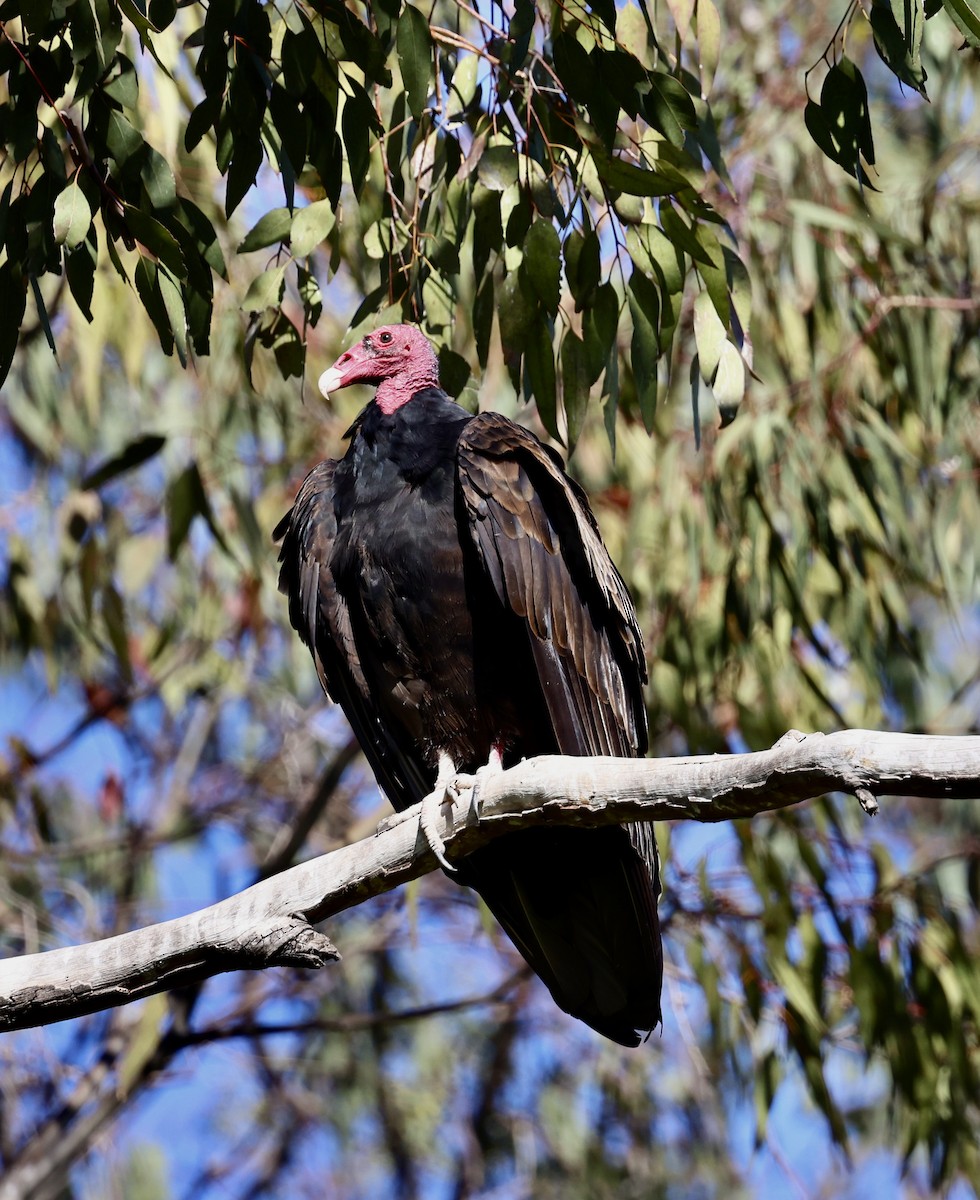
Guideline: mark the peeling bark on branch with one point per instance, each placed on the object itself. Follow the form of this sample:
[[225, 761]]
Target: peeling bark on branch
[[270, 924]]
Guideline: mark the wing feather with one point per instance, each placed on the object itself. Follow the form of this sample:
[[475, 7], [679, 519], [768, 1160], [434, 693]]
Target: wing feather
[[540, 546], [319, 613]]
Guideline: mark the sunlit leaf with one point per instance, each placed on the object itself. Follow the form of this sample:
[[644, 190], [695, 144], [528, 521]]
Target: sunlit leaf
[[311, 225], [72, 216]]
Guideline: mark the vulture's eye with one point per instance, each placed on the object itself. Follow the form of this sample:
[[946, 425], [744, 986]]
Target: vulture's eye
[[384, 338]]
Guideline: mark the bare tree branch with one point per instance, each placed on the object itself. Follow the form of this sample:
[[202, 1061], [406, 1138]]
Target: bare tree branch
[[270, 923]]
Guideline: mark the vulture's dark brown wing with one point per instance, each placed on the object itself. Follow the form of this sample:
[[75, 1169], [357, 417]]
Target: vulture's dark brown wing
[[579, 904], [540, 546], [319, 614]]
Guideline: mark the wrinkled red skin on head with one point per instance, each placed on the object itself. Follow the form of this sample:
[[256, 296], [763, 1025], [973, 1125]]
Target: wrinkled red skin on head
[[399, 359]]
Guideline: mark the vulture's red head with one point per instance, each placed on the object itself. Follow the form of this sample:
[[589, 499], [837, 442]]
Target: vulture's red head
[[399, 359]]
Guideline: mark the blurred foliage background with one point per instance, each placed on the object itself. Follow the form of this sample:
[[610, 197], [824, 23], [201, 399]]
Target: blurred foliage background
[[582, 206]]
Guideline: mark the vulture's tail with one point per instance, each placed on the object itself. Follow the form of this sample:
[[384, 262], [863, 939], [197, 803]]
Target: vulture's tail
[[581, 906]]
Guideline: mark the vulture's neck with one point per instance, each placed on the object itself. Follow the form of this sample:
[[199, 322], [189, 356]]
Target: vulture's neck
[[414, 377]]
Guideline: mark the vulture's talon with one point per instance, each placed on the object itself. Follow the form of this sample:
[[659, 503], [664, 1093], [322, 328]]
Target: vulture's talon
[[432, 806]]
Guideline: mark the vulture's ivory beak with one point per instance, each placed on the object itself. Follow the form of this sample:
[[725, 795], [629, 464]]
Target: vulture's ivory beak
[[330, 381]]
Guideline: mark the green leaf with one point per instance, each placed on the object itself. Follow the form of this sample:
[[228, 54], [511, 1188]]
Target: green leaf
[[542, 263], [644, 302], [265, 290], [715, 275], [454, 371], [574, 66], [187, 499], [600, 323], [582, 266], [483, 307], [270, 228], [539, 365], [575, 384], [131, 456], [729, 382], [72, 216], [516, 312], [156, 238], [309, 292], [488, 233], [965, 15], [357, 121], [636, 181], [146, 279], [173, 302], [42, 315], [497, 168], [897, 44], [844, 98], [683, 236], [203, 235], [709, 336], [682, 11], [841, 125], [122, 140], [80, 267], [288, 348], [709, 42], [669, 107], [120, 83], [414, 57], [158, 179], [311, 225], [114, 616], [243, 167]]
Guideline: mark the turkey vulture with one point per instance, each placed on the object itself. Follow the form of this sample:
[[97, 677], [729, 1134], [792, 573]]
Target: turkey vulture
[[453, 589]]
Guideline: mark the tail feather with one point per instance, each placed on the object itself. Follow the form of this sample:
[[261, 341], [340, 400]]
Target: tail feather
[[580, 905]]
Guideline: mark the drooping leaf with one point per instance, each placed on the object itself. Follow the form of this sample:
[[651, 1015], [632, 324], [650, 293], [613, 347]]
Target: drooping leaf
[[709, 336], [156, 238], [539, 365], [454, 371], [133, 455], [669, 107], [575, 384], [965, 15], [542, 263], [644, 302], [414, 57], [600, 322], [14, 293], [897, 30], [582, 266], [173, 303], [840, 124]]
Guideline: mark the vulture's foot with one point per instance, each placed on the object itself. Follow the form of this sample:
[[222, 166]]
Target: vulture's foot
[[451, 786]]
